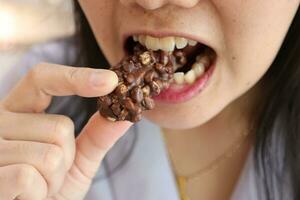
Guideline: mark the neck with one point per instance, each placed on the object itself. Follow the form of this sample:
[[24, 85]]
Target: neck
[[196, 148]]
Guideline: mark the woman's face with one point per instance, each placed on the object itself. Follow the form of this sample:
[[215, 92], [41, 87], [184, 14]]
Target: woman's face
[[245, 35]]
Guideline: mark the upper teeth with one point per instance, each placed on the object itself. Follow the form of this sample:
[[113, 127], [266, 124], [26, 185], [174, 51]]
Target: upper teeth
[[181, 42], [165, 43], [169, 44]]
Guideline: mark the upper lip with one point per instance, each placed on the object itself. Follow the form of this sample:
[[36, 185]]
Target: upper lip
[[160, 34]]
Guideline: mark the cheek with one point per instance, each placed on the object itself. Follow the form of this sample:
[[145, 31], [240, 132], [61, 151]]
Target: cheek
[[221, 92], [250, 48], [102, 19], [253, 33]]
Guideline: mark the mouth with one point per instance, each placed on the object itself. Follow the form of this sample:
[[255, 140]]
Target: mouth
[[196, 63]]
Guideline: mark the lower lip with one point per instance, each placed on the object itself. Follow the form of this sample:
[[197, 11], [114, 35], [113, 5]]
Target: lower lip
[[179, 94]]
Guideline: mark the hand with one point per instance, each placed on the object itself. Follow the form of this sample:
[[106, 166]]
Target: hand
[[40, 157]]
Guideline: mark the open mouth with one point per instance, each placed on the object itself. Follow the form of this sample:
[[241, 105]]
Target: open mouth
[[193, 57], [194, 64]]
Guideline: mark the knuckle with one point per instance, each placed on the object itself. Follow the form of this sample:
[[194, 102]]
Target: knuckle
[[35, 71], [38, 72], [63, 129], [33, 78], [53, 158], [24, 176], [71, 74]]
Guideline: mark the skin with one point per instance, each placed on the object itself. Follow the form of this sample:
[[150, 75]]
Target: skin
[[246, 37], [43, 151]]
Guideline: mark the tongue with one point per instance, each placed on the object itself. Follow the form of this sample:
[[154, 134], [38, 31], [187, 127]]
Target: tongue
[[190, 49]]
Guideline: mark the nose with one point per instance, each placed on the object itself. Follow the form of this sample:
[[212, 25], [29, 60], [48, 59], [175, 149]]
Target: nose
[[155, 4]]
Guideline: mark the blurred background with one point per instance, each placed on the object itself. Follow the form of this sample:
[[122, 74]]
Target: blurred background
[[24, 23]]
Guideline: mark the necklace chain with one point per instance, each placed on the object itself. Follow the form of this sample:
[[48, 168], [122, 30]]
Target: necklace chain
[[183, 180]]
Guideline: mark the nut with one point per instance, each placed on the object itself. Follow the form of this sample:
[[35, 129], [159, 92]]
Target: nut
[[145, 58]]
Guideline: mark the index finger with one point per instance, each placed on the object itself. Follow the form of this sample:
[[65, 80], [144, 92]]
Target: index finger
[[33, 93]]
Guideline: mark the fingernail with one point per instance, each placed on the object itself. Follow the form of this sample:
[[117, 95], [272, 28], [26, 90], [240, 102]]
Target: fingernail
[[103, 77]]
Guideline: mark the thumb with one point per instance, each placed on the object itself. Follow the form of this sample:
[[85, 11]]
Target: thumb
[[95, 140]]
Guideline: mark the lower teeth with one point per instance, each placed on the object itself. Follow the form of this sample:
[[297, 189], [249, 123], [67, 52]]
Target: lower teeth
[[179, 78], [190, 77], [203, 61]]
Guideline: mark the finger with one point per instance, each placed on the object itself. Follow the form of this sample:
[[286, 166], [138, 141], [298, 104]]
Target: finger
[[98, 136], [33, 93], [46, 158], [21, 182], [52, 129]]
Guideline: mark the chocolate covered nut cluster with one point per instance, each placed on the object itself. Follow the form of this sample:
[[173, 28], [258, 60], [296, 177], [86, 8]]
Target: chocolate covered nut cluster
[[142, 75]]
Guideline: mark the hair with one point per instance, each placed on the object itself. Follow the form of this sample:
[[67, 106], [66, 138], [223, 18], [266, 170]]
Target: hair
[[277, 145], [88, 54], [277, 148]]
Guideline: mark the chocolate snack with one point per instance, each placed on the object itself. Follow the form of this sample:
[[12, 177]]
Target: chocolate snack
[[141, 76]]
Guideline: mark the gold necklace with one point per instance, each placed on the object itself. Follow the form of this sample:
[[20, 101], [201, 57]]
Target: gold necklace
[[183, 180]]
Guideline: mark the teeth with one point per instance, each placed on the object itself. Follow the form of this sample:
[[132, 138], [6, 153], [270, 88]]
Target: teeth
[[198, 68], [192, 42], [190, 77], [167, 43], [142, 39], [164, 44], [181, 42], [152, 43], [179, 78], [204, 59]]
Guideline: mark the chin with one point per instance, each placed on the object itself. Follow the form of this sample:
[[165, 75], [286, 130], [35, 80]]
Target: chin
[[179, 120]]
